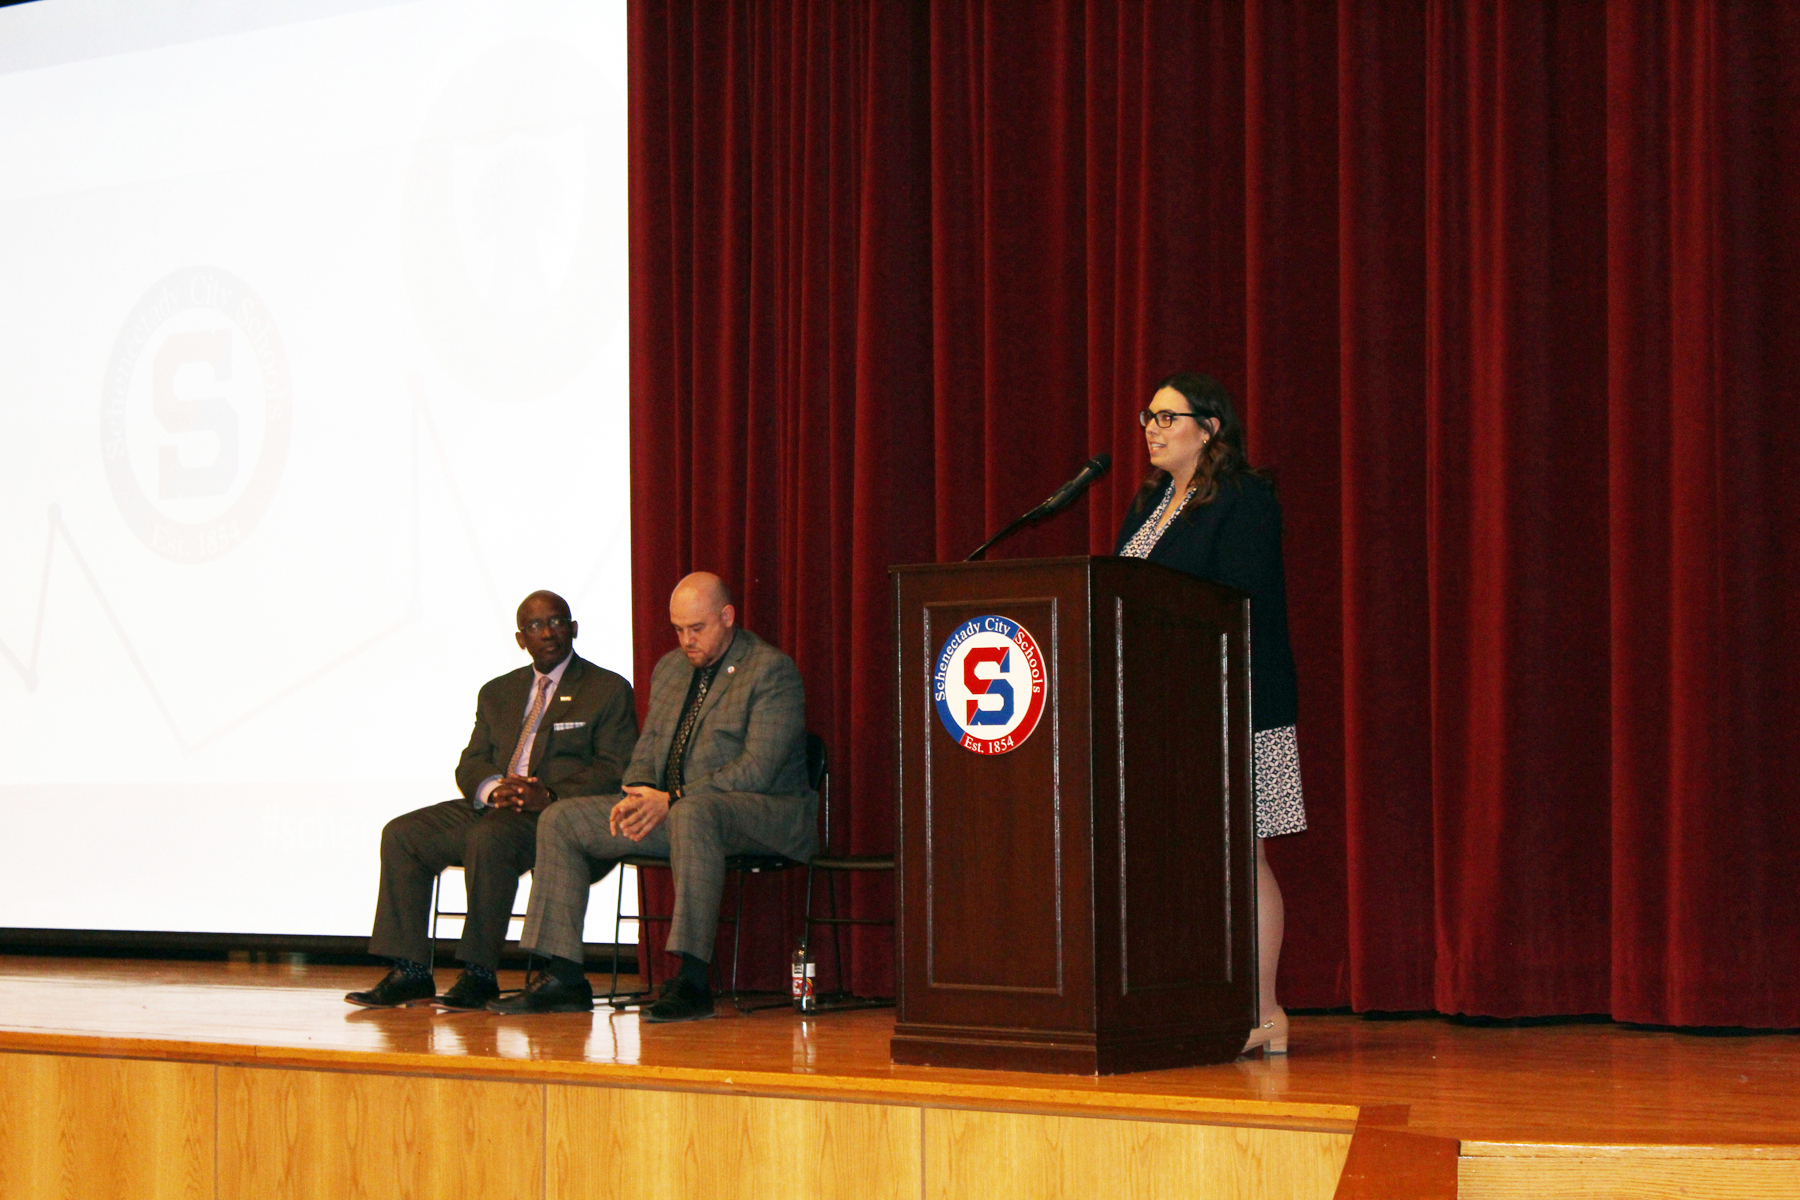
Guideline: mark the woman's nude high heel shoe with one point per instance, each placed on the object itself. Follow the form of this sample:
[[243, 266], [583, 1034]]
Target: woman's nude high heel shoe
[[1271, 1037]]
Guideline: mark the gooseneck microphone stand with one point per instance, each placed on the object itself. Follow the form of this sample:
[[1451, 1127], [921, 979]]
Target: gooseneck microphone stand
[[1060, 499]]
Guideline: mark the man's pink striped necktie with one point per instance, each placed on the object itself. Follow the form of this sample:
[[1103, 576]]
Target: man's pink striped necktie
[[521, 759]]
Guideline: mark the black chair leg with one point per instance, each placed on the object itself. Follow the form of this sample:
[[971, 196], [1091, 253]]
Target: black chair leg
[[618, 922], [737, 936], [837, 931], [437, 882], [644, 980], [806, 926], [617, 999]]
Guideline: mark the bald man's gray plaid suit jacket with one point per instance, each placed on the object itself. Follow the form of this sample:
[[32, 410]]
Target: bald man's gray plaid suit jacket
[[751, 733], [745, 791]]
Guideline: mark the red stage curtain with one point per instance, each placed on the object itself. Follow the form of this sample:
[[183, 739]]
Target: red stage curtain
[[1703, 368], [1509, 294]]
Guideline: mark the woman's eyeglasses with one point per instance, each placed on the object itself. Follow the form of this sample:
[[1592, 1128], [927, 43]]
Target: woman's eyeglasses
[[1163, 419]]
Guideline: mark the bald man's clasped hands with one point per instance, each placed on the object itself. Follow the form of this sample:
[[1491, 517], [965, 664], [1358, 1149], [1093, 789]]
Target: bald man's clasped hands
[[705, 623], [719, 769]]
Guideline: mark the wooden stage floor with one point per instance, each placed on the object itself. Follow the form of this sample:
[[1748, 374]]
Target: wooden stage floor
[[1578, 1090], [1560, 1083]]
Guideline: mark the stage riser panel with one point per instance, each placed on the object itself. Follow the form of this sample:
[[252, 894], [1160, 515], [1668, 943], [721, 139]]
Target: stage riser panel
[[76, 1127], [984, 1155], [1610, 1178], [79, 1128], [82, 1128], [321, 1135], [626, 1144]]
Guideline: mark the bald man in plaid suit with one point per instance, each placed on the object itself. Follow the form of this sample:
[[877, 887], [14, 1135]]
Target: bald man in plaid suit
[[719, 769]]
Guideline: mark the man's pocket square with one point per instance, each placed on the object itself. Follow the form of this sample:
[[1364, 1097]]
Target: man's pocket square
[[561, 725]]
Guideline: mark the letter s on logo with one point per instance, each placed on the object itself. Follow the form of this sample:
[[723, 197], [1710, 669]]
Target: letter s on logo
[[197, 414], [988, 685]]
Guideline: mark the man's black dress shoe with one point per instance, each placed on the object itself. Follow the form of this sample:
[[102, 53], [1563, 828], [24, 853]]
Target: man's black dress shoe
[[680, 1000], [396, 989], [547, 994], [468, 993]]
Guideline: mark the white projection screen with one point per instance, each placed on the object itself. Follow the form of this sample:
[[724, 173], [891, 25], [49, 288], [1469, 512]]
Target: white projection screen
[[312, 365]]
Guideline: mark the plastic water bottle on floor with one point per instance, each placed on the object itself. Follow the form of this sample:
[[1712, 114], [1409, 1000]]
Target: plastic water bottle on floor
[[802, 983]]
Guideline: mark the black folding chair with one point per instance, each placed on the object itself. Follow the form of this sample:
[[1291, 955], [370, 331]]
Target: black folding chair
[[833, 863]]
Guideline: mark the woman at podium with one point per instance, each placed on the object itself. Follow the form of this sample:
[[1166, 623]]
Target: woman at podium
[[1204, 510]]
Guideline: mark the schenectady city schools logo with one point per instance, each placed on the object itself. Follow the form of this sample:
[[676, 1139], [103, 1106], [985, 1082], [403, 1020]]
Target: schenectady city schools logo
[[195, 414], [989, 685]]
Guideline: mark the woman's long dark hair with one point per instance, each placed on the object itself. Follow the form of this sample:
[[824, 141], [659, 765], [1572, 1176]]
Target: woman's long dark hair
[[1221, 459]]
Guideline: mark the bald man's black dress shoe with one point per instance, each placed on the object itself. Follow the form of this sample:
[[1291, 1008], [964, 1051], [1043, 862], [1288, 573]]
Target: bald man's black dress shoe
[[548, 994], [397, 988], [681, 1000]]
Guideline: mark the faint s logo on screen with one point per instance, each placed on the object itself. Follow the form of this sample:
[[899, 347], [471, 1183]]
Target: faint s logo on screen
[[195, 414], [514, 231]]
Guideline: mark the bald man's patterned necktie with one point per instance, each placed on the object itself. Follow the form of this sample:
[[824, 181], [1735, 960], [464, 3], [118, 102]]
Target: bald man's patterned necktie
[[521, 759], [674, 766]]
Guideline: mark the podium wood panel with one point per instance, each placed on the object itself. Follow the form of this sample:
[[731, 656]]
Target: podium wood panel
[[324, 1135], [83, 1128], [622, 1144], [992, 930]]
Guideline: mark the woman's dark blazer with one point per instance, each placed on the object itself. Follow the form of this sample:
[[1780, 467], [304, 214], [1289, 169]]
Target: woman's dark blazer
[[1235, 539]]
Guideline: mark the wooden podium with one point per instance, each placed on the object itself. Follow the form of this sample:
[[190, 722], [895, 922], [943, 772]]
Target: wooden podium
[[1076, 881]]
